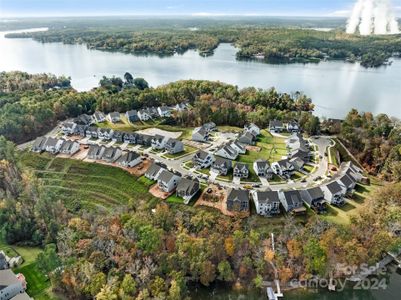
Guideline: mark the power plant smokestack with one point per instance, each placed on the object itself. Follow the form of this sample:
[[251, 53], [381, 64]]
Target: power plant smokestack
[[372, 17]]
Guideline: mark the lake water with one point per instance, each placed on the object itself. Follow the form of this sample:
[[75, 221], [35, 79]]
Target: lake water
[[335, 86]]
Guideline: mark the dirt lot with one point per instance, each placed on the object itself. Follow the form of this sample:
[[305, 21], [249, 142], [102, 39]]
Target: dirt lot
[[158, 193], [253, 148], [154, 131], [140, 169], [196, 145]]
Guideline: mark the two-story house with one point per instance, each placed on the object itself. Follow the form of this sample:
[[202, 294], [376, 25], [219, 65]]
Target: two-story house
[[114, 117], [168, 181], [292, 201], [262, 168], [129, 159], [187, 189], [237, 200], [200, 134], [174, 146], [241, 170], [203, 159], [221, 166], [267, 203], [333, 193], [132, 116]]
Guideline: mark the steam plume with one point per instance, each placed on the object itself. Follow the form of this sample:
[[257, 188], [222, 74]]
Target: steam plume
[[372, 17]]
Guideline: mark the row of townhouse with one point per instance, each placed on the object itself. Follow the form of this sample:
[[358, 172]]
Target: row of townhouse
[[55, 145], [171, 145], [278, 126], [167, 181], [333, 193], [202, 133]]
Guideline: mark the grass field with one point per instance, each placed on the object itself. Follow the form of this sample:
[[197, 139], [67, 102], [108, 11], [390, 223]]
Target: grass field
[[82, 185], [38, 283], [272, 149]]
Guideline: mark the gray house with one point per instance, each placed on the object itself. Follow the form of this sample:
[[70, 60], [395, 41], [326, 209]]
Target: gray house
[[92, 132], [247, 138], [238, 200], [174, 146], [3, 262], [187, 189], [118, 136], [114, 117], [111, 154], [241, 170], [276, 126], [203, 159], [129, 159], [314, 198], [105, 133], [53, 145], [200, 134], [69, 147], [95, 152], [68, 128], [99, 117], [39, 144], [168, 181], [266, 203], [221, 166], [292, 201], [262, 168], [132, 116], [154, 171]]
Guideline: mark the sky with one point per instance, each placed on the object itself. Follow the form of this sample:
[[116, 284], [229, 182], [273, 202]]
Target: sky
[[37, 8]]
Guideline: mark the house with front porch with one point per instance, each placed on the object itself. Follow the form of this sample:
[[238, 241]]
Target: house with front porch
[[276, 126], [105, 133], [68, 128], [283, 168], [159, 142]]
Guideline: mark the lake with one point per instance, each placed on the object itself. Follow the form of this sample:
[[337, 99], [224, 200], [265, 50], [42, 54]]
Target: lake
[[334, 86]]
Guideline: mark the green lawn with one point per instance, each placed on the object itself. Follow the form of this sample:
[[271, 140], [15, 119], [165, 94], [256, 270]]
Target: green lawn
[[37, 281], [84, 185], [174, 199], [309, 168], [272, 149], [146, 181]]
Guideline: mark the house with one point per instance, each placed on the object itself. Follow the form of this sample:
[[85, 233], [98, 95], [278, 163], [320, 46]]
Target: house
[[252, 128], [105, 133], [92, 132], [297, 163], [69, 147], [203, 159], [99, 117], [347, 182], [129, 159], [333, 193], [276, 126], [132, 116], [238, 200], [118, 136], [221, 166], [154, 171], [227, 151], [163, 111], [292, 201], [145, 140], [152, 111], [144, 115], [241, 170], [187, 189], [240, 148], [39, 144], [297, 142], [304, 155], [130, 137], [262, 168], [80, 130], [168, 181], [84, 119], [174, 146], [95, 152], [181, 106], [314, 198], [352, 170], [247, 138], [266, 203], [53, 145], [111, 154], [293, 126], [159, 142], [200, 134], [211, 126], [68, 128], [283, 168], [114, 117]]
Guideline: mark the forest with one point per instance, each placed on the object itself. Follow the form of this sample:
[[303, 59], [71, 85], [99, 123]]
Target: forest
[[31, 105], [267, 43]]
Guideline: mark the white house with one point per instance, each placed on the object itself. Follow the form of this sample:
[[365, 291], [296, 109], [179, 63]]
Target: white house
[[144, 115], [68, 128], [292, 201], [129, 159], [266, 203], [262, 168], [276, 126], [69, 147], [154, 171], [99, 117], [114, 117], [159, 142], [168, 181], [293, 126], [237, 146], [200, 134], [105, 133], [174, 146], [252, 128], [333, 193], [227, 151], [203, 159], [241, 170], [53, 145], [283, 167], [163, 111]]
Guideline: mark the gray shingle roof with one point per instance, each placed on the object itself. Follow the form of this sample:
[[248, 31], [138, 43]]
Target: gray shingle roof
[[334, 187], [268, 197]]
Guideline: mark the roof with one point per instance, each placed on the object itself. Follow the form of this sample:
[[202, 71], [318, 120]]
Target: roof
[[166, 176], [98, 114], [241, 167], [92, 129], [51, 142], [238, 195], [222, 162], [267, 197], [284, 163], [128, 157], [93, 150], [346, 180], [153, 170], [238, 144], [297, 162], [131, 113], [158, 137], [172, 142], [292, 198], [39, 142], [334, 187], [8, 278], [200, 130], [315, 193], [104, 130], [164, 108], [262, 164], [187, 185], [201, 154], [67, 145]]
